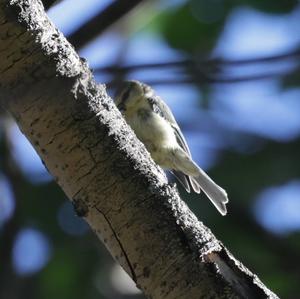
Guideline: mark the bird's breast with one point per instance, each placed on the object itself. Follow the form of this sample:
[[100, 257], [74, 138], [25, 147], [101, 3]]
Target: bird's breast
[[153, 130]]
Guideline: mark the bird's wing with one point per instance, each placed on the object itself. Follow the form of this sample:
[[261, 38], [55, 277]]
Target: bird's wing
[[164, 111], [183, 179], [181, 140]]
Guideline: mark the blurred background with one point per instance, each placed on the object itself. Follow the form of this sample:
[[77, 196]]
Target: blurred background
[[230, 71]]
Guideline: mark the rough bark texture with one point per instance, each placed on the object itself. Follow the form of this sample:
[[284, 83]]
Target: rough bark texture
[[95, 158]]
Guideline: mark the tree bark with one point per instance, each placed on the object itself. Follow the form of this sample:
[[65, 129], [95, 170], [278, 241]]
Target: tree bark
[[104, 170]]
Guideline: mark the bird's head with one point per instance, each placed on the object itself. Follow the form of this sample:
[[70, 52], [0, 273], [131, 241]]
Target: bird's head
[[131, 94]]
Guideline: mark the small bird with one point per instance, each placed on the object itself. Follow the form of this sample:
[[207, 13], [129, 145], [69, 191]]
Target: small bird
[[154, 125]]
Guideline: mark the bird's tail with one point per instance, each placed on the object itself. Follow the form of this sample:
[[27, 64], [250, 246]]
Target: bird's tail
[[215, 193]]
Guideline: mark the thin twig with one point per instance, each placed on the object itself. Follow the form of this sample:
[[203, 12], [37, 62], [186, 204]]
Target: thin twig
[[206, 79], [198, 63]]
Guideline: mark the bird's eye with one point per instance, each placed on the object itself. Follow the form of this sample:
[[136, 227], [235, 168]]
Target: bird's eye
[[125, 96]]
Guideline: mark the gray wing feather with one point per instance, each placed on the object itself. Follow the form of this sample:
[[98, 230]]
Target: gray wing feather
[[183, 179], [194, 185], [164, 111], [182, 142]]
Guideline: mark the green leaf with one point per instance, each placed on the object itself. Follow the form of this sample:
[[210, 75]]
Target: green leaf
[[185, 29]]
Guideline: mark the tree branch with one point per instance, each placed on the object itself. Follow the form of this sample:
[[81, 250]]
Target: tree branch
[[101, 166], [93, 28], [200, 63], [217, 79], [209, 71], [48, 3]]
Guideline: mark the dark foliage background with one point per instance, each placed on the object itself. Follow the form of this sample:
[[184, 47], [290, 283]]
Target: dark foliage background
[[230, 71]]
